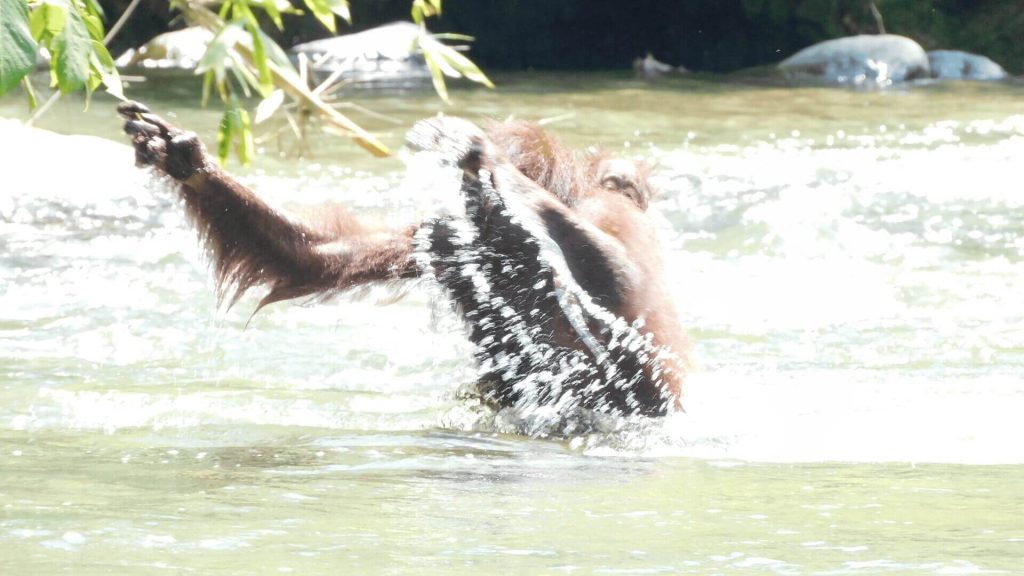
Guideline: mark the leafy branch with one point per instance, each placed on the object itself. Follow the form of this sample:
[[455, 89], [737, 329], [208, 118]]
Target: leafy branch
[[71, 31], [240, 60]]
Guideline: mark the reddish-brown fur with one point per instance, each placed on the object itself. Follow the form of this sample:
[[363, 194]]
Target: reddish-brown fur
[[593, 206]]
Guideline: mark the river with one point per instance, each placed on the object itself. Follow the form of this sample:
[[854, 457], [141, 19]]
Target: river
[[849, 266]]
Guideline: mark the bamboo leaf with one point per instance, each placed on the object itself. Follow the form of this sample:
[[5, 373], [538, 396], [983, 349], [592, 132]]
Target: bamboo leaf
[[221, 57], [423, 9], [436, 76], [217, 54], [235, 131], [225, 134], [285, 77], [444, 61], [322, 10], [243, 77], [452, 36], [243, 12], [270, 7], [259, 56], [274, 52], [17, 48], [207, 87], [467, 68], [247, 144], [268, 106], [288, 79], [340, 9]]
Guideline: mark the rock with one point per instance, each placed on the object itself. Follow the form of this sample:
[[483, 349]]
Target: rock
[[957, 65], [382, 57], [866, 60], [178, 49], [63, 168], [649, 68]]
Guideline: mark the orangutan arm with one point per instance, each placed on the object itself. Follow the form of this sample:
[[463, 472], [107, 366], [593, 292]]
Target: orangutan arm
[[253, 244]]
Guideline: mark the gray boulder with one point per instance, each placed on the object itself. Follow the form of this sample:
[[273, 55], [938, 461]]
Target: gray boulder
[[957, 65], [866, 60], [178, 49], [382, 57]]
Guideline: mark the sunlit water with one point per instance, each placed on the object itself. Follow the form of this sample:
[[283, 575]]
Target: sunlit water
[[848, 264]]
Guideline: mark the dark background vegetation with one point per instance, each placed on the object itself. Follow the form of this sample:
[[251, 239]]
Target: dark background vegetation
[[703, 35]]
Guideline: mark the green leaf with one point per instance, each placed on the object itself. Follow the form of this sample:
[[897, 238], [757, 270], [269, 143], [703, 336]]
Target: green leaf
[[217, 51], [268, 106], [17, 48], [238, 59], [235, 125], [259, 57], [93, 7], [247, 143], [243, 78], [220, 56], [446, 61], [270, 7], [102, 65], [94, 25], [322, 10], [225, 134], [71, 49], [243, 75], [437, 76], [452, 36], [274, 52], [243, 12], [423, 9], [340, 8], [47, 21], [207, 87]]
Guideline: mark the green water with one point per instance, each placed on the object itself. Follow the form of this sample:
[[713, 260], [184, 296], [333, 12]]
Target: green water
[[848, 264]]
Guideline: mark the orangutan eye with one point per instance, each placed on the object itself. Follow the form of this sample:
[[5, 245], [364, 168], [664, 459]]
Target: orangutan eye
[[626, 187], [614, 182], [635, 195]]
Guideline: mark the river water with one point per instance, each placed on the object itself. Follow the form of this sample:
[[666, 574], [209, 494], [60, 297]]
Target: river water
[[848, 264]]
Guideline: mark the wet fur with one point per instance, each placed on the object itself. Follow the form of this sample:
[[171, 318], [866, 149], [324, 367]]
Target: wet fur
[[575, 313]]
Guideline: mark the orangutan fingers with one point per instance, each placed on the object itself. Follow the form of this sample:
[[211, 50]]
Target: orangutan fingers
[[141, 128], [167, 129], [149, 151], [185, 156], [130, 109]]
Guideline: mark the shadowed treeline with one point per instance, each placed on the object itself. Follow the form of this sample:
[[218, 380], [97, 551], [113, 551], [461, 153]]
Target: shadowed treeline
[[703, 35]]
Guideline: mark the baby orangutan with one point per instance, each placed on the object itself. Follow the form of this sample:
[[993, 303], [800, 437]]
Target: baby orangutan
[[554, 266]]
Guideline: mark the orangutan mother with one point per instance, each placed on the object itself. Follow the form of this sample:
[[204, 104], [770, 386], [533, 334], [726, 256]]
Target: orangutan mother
[[554, 266]]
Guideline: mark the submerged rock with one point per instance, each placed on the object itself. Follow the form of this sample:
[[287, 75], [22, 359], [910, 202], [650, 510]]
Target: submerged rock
[[179, 49], [382, 57], [866, 60], [958, 65]]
